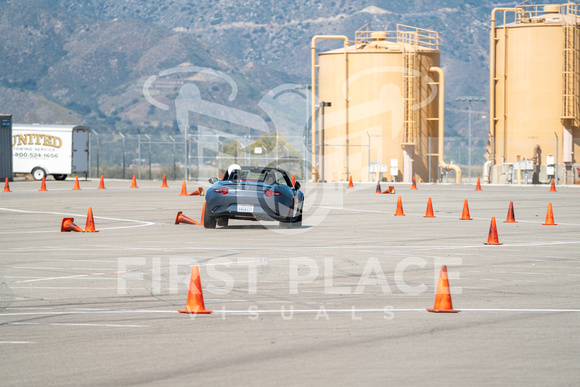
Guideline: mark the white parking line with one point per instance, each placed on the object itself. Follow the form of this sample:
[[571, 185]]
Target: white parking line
[[17, 342], [140, 222], [83, 325], [253, 311]]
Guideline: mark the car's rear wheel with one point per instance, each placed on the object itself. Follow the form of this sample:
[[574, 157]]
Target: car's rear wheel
[[223, 222], [209, 221], [297, 222], [59, 177]]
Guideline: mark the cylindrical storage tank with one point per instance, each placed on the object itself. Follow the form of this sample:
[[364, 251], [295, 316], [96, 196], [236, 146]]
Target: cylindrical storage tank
[[535, 94], [380, 112]]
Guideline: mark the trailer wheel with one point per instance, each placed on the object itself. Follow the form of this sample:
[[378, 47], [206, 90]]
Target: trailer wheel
[[59, 177], [38, 173]]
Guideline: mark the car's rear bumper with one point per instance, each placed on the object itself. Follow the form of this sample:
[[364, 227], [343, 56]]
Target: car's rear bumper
[[268, 210]]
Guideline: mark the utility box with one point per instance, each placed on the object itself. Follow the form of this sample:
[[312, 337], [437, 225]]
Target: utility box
[[6, 147]]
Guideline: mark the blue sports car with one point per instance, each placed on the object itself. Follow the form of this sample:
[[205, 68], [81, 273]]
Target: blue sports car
[[253, 193]]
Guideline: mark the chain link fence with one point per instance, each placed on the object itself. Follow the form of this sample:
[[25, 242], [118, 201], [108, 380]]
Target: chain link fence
[[151, 156]]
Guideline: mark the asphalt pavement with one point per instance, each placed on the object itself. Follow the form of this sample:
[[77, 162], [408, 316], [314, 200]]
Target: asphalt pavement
[[339, 301]]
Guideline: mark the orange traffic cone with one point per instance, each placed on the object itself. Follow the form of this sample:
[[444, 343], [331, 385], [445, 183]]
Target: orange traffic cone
[[549, 217], [90, 225], [199, 192], [183, 189], [194, 302], [511, 218], [134, 182], [102, 183], [77, 186], [399, 211], [378, 189], [414, 185], [443, 297], [6, 186], [164, 184], [465, 215], [180, 218], [293, 180], [390, 190], [202, 214], [429, 212], [43, 185], [553, 186], [492, 237], [350, 185], [478, 185], [68, 225]]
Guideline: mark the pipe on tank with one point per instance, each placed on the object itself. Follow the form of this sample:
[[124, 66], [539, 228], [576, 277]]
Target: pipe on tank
[[314, 105], [441, 125], [486, 174], [492, 73]]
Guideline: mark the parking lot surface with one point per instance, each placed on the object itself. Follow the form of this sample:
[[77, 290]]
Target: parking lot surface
[[341, 300]]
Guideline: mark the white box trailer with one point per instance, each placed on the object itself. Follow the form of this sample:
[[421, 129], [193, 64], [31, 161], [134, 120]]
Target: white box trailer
[[57, 150]]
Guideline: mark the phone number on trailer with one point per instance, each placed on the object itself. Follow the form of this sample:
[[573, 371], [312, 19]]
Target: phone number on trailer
[[26, 155]]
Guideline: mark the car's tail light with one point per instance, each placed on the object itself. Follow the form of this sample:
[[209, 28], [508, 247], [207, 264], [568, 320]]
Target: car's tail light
[[222, 190], [269, 193]]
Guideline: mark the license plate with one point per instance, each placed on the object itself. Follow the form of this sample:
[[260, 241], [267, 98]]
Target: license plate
[[245, 208]]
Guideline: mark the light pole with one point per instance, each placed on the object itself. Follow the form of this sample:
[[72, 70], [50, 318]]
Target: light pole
[[172, 139], [322, 105], [123, 137], [139, 152], [307, 135], [149, 155], [469, 100], [97, 134]]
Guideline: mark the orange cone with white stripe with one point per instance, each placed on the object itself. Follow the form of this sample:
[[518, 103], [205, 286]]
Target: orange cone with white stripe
[[194, 303], [429, 212], [443, 297], [549, 217], [399, 211], [102, 183], [492, 237], [68, 225], [6, 186], [77, 186]]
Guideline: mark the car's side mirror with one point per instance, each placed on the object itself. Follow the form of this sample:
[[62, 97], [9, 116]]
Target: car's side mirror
[[212, 180], [297, 185]]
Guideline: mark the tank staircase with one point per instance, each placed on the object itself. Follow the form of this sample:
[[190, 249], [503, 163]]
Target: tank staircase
[[571, 67], [410, 90]]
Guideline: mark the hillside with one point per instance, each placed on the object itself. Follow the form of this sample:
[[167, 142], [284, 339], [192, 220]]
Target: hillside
[[88, 60]]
